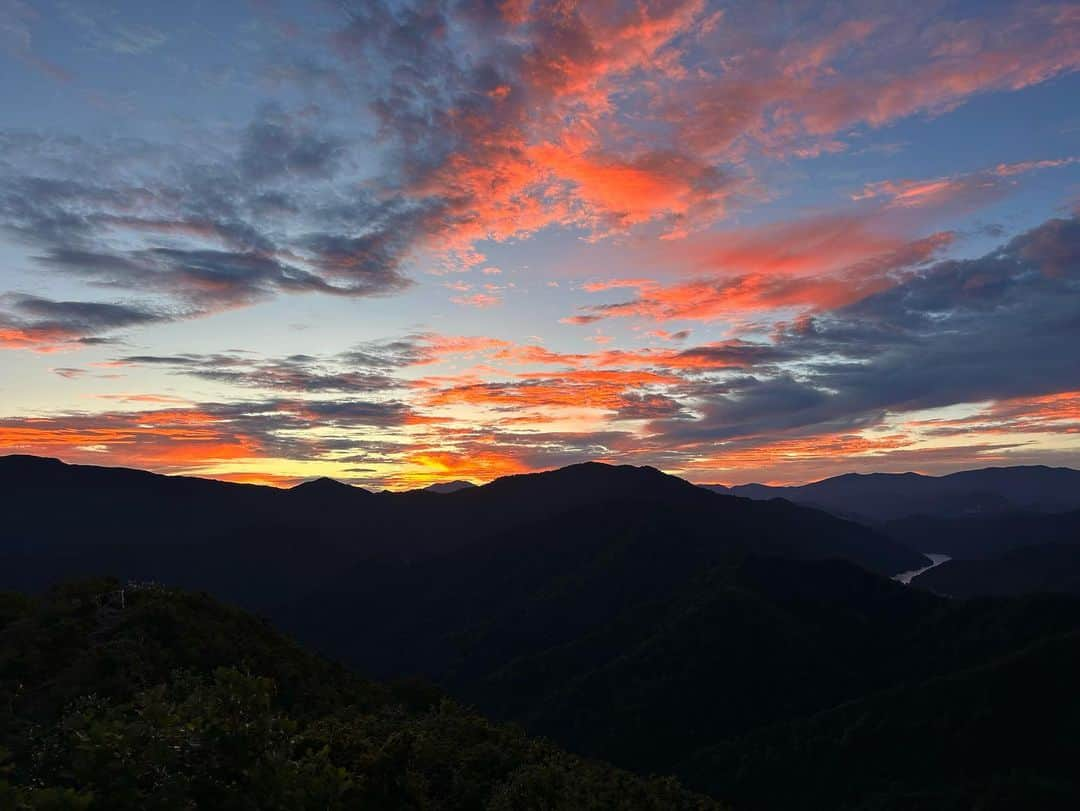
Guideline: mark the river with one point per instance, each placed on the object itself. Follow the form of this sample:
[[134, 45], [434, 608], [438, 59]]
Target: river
[[935, 560]]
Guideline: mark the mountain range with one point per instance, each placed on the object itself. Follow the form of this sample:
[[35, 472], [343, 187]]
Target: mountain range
[[634, 617], [1010, 530], [70, 519], [888, 496]]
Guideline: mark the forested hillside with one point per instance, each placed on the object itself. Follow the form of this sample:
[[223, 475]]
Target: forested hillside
[[640, 650], [152, 698]]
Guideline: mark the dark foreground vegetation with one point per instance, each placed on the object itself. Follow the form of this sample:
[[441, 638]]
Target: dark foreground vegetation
[[154, 698], [174, 701]]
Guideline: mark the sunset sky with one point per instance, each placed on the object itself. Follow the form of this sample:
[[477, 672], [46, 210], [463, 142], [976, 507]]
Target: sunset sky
[[404, 242]]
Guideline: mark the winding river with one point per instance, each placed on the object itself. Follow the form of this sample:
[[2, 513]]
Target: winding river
[[935, 560]]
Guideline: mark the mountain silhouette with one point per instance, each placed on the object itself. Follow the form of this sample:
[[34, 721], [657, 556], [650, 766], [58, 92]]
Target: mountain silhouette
[[449, 487], [325, 484], [68, 520], [985, 536], [886, 496], [325, 493]]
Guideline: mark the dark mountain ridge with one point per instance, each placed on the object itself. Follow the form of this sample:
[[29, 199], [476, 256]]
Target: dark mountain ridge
[[985, 536], [449, 487], [887, 496], [72, 519], [324, 484]]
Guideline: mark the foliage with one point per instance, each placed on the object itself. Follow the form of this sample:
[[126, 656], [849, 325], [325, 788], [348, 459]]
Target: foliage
[[161, 699]]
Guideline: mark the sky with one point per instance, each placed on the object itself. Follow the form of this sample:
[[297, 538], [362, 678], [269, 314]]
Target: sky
[[403, 242]]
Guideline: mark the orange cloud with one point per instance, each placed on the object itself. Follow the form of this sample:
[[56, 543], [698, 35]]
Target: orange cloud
[[911, 192], [435, 347], [621, 193], [169, 439], [810, 246], [764, 452], [938, 191], [1010, 169], [536, 394], [432, 466], [795, 100], [478, 300], [266, 479], [536, 159], [813, 277], [1048, 413], [733, 353], [37, 339]]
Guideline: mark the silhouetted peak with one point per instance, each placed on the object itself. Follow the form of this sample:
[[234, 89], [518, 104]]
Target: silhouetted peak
[[46, 470], [449, 487], [590, 480], [605, 470], [15, 459], [869, 477], [324, 484]]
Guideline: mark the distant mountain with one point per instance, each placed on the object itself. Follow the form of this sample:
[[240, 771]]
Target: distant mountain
[[70, 520], [248, 543], [327, 494], [267, 548], [889, 496], [508, 507], [987, 536], [325, 484], [449, 487]]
